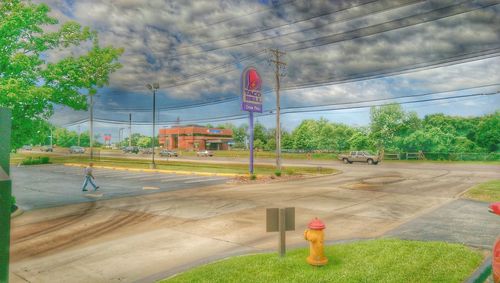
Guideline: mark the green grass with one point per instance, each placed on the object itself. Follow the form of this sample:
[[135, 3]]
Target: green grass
[[489, 191], [386, 260], [185, 166]]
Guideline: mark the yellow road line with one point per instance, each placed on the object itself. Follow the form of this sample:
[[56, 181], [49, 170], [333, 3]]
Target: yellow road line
[[159, 170]]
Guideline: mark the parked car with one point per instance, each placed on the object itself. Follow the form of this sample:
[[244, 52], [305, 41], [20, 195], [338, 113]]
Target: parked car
[[204, 153], [76, 149], [27, 147], [168, 153], [146, 151], [360, 156], [47, 148], [131, 149]]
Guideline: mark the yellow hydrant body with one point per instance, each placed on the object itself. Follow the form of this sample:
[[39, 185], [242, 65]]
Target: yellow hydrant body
[[315, 237]]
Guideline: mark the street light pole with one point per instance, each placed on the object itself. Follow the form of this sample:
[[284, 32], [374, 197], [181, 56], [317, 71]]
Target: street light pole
[[153, 87]]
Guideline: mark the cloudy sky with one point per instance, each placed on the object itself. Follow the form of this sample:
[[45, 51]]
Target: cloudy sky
[[341, 57]]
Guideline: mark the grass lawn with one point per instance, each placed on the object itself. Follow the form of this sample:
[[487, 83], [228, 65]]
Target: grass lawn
[[182, 165], [489, 191], [384, 260]]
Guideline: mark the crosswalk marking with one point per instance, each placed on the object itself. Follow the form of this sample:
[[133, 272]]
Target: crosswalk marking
[[203, 180], [180, 178], [135, 176]]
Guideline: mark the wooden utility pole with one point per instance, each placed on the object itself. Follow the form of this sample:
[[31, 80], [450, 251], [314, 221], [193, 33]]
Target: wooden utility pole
[[91, 126], [278, 72], [130, 129]]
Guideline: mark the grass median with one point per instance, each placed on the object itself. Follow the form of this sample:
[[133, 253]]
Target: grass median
[[183, 165], [384, 260], [488, 192]]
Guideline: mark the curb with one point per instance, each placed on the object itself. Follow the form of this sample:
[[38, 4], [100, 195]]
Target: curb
[[159, 170], [482, 272], [220, 257], [16, 213]]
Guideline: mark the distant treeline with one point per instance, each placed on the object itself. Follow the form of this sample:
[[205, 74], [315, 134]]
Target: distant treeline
[[391, 128]]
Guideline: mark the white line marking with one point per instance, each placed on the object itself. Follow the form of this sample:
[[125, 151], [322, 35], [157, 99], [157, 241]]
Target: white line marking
[[203, 180], [180, 178], [150, 188]]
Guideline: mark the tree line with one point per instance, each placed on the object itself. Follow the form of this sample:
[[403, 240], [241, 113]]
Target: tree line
[[391, 128]]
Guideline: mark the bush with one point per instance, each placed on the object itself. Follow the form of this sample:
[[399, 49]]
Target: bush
[[277, 173], [253, 177], [35, 161], [290, 171], [13, 205]]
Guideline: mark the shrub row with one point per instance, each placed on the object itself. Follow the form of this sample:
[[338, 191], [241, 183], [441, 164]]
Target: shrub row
[[35, 161]]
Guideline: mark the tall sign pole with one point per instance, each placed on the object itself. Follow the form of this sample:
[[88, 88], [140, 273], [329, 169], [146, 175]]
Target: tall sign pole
[[251, 101]]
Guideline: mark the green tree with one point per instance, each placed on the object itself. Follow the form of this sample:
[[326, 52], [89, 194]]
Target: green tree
[[386, 121], [488, 132], [29, 85], [144, 141], [240, 135]]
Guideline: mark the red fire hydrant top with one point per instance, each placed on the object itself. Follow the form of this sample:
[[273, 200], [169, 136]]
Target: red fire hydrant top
[[495, 208], [316, 224]]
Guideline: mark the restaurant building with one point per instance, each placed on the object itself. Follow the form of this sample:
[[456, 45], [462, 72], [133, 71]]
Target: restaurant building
[[194, 137]]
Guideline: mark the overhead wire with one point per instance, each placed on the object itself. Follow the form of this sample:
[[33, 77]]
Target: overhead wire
[[429, 16], [294, 110]]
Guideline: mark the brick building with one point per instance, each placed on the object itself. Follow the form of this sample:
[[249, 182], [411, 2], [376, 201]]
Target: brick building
[[193, 137]]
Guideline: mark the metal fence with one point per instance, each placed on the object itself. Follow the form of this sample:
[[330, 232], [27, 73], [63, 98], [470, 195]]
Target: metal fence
[[445, 156]]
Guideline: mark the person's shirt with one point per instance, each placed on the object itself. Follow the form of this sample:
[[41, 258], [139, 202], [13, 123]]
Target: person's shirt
[[88, 171]]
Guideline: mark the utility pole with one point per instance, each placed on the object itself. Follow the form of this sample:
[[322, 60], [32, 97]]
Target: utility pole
[[130, 129], [50, 137], [91, 128], [78, 135], [278, 72]]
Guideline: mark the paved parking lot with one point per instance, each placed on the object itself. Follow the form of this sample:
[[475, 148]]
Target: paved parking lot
[[53, 185], [147, 237]]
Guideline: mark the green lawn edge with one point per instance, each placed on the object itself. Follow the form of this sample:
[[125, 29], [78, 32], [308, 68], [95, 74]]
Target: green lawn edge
[[187, 165], [380, 260], [488, 191]]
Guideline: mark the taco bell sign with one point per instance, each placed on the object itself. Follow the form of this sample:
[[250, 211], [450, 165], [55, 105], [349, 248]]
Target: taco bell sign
[[251, 94]]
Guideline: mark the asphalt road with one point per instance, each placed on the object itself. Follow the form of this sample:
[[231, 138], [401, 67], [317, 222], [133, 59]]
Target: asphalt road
[[146, 237], [55, 185]]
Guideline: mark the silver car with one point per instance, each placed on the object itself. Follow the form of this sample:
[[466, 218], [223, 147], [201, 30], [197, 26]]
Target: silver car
[[76, 149], [204, 153]]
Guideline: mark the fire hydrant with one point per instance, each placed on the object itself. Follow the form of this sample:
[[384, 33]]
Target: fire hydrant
[[315, 236]]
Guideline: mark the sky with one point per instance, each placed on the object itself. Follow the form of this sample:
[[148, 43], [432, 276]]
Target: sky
[[342, 57]]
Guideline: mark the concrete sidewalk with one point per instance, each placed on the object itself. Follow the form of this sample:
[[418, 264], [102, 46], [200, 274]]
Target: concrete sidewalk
[[461, 221]]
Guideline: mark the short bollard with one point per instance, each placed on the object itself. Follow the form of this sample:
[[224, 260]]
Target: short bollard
[[315, 236]]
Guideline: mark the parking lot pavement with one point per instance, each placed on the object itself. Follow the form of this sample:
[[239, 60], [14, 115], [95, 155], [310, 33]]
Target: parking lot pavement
[[54, 185]]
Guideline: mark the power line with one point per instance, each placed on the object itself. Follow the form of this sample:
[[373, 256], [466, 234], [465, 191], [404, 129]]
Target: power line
[[245, 15], [284, 25], [429, 16], [424, 65], [412, 20], [303, 110], [394, 98], [470, 57]]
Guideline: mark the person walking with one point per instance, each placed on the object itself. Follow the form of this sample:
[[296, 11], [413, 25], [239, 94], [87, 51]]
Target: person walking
[[89, 178]]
